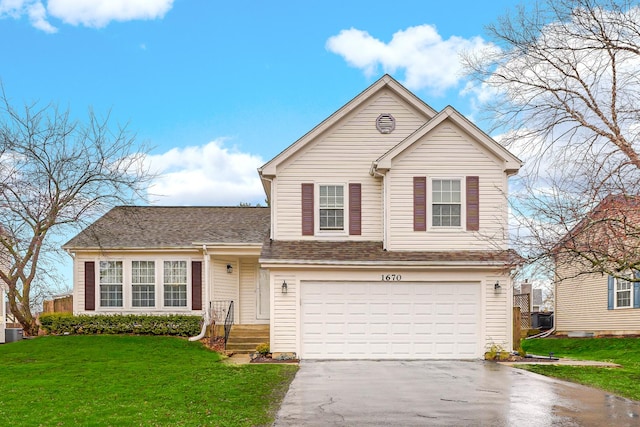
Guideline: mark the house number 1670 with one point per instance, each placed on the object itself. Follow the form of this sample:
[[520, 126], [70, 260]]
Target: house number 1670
[[391, 277]]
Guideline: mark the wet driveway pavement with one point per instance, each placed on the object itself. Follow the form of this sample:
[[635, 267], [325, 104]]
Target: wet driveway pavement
[[443, 393]]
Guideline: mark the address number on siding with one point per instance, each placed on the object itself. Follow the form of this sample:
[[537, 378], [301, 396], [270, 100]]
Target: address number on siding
[[391, 277]]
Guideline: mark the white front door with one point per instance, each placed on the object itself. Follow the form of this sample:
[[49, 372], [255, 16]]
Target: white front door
[[263, 294], [390, 320]]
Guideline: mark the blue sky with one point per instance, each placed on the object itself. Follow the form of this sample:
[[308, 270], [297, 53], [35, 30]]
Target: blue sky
[[218, 88]]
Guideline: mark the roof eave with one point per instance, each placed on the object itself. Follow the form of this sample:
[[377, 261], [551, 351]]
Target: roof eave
[[383, 263]]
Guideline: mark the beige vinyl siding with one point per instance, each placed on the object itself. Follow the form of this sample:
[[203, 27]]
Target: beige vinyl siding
[[78, 285], [284, 314], [581, 305], [225, 285], [495, 307], [446, 152], [248, 294], [342, 155], [126, 257], [498, 313]]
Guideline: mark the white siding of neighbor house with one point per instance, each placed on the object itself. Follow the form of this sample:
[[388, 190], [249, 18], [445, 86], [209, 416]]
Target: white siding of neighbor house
[[581, 306], [495, 307], [3, 315], [127, 257], [446, 152], [343, 155]]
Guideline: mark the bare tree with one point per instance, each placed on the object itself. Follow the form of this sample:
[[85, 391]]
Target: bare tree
[[56, 173], [563, 82]]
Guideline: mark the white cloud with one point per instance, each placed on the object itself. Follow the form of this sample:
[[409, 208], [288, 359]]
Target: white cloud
[[98, 13], [38, 17], [90, 13], [428, 60], [211, 174]]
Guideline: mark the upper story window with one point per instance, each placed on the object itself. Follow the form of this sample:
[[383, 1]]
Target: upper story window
[[331, 207], [143, 279], [111, 283], [624, 296], [175, 283], [446, 207]]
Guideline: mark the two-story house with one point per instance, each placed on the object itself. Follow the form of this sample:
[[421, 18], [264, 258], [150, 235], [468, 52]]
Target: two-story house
[[385, 237]]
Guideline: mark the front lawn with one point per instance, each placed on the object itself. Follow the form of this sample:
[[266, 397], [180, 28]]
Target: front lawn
[[623, 381], [108, 380]]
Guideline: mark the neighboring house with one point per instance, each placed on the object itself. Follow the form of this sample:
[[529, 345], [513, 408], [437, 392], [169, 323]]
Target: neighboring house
[[3, 314], [589, 301], [386, 237]]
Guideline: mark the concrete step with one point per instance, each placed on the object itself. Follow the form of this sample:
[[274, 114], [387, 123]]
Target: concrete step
[[241, 348], [245, 338]]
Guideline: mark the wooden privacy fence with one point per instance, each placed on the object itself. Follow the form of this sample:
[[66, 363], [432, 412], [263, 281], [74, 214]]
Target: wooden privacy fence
[[523, 302], [517, 329], [59, 305]]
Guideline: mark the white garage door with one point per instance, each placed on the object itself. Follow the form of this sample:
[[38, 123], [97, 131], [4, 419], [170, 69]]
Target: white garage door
[[390, 320]]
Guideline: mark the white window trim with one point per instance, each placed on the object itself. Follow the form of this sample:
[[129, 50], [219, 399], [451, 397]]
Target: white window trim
[[98, 290], [463, 205], [188, 281], [615, 294], [345, 208], [127, 288], [156, 277]]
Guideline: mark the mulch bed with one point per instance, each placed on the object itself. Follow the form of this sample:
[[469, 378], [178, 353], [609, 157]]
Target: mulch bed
[[269, 359]]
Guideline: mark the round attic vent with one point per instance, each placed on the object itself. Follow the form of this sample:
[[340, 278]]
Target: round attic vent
[[385, 123]]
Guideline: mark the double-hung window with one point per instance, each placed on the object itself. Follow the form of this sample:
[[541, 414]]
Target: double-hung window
[[446, 203], [111, 283], [175, 283], [331, 207], [143, 280], [623, 296]]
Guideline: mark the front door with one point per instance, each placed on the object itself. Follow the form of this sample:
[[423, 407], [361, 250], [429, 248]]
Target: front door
[[263, 294]]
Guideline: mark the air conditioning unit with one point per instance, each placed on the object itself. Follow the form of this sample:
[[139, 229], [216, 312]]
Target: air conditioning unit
[[13, 334]]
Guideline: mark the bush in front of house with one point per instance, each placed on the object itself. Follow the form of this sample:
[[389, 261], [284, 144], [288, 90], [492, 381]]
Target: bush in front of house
[[65, 323]]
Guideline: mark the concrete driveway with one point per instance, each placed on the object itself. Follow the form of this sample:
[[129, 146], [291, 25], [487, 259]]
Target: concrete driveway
[[443, 393]]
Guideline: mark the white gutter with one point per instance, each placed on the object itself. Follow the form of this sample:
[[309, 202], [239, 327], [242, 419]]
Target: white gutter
[[206, 318]]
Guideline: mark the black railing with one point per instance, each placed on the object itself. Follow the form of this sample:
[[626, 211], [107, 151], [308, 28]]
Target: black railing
[[221, 313], [228, 322]]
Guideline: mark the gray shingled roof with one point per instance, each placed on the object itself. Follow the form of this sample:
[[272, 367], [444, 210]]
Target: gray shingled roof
[[159, 226], [367, 251]]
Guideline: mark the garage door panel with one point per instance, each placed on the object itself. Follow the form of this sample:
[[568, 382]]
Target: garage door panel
[[390, 320]]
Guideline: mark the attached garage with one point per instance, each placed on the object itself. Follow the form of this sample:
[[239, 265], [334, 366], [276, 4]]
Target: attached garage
[[390, 320]]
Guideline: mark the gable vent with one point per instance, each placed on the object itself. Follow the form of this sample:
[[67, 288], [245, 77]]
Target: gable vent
[[385, 123]]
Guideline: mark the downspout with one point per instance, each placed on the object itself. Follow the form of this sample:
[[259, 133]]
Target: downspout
[[373, 171], [207, 310]]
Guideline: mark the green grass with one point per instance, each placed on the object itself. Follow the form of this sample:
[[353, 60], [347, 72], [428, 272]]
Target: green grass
[[109, 380], [623, 381]]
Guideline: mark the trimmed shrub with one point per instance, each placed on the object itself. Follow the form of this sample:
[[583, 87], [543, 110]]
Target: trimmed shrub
[[65, 323], [263, 349]]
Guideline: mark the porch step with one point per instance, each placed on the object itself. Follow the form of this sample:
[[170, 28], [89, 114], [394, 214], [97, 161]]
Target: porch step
[[245, 338]]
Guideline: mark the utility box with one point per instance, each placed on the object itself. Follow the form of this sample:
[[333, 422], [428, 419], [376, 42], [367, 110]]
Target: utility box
[[13, 334]]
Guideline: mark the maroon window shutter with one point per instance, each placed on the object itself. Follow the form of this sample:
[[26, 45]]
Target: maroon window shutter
[[419, 203], [89, 285], [473, 203], [307, 210], [355, 209], [196, 285]]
